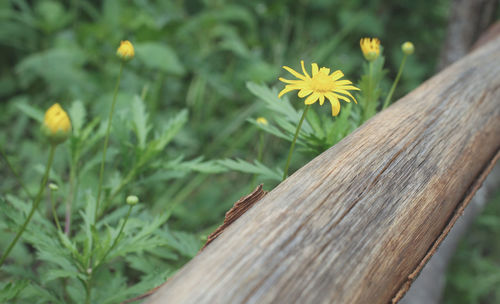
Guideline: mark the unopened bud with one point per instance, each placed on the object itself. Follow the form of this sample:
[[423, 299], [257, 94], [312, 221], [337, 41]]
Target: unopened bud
[[132, 200], [56, 124], [125, 50], [262, 121], [408, 48]]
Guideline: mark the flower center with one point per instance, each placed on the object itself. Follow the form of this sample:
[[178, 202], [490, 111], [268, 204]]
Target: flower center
[[322, 83]]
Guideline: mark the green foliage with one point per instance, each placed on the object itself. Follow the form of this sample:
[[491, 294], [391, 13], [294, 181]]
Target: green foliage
[[180, 123]]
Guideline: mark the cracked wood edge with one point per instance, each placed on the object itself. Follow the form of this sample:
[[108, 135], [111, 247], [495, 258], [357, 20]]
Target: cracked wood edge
[[240, 207], [354, 224]]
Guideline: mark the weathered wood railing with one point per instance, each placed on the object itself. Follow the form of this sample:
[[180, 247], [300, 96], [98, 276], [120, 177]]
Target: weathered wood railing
[[357, 223]]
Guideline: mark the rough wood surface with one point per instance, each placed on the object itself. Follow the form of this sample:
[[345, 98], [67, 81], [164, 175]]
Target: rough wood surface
[[356, 224]]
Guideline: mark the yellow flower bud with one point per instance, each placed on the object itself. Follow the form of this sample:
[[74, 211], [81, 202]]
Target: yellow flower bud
[[53, 187], [132, 200], [126, 50], [370, 48], [262, 121], [408, 48], [56, 124]]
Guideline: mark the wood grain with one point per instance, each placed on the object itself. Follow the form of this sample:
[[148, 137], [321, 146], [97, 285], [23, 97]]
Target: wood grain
[[356, 224]]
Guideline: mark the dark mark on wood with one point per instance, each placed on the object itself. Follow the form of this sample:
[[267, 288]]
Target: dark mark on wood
[[240, 207]]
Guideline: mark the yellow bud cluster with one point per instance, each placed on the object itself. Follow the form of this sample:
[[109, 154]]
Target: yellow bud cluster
[[370, 48], [56, 124], [125, 50]]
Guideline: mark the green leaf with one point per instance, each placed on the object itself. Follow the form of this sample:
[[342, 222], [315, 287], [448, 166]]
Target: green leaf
[[172, 127], [159, 56], [140, 121], [10, 290], [255, 168], [30, 111], [77, 113]]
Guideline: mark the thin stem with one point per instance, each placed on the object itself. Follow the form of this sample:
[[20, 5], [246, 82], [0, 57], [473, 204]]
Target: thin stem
[[395, 83], [88, 283], [34, 206], [259, 156], [285, 172], [116, 239], [369, 95], [18, 178], [54, 213], [106, 139], [88, 288]]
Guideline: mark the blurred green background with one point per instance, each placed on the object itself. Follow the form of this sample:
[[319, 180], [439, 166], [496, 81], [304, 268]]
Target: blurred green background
[[199, 55]]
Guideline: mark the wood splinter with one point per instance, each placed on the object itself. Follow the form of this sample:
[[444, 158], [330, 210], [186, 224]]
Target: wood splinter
[[240, 207]]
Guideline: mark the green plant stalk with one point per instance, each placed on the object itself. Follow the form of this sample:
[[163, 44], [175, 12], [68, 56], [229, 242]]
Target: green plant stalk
[[368, 107], [106, 140], [395, 83], [72, 192], [88, 283], [285, 172], [99, 263], [54, 213], [259, 157], [34, 206], [18, 178]]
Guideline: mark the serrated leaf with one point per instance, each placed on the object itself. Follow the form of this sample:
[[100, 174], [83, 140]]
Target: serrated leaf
[[77, 113], [140, 121], [255, 168], [10, 290]]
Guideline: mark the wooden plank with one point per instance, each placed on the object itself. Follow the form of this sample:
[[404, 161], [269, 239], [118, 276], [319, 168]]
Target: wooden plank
[[356, 224]]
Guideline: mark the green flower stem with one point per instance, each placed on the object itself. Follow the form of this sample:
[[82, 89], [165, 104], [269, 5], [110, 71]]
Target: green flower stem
[[34, 206], [88, 283], [285, 172], [18, 178], [116, 239], [106, 140], [395, 83], [367, 113], [259, 157], [54, 213]]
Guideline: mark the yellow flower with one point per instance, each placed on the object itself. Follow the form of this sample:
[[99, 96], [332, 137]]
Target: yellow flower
[[126, 50], [322, 84], [408, 48], [262, 121], [370, 48], [56, 124]]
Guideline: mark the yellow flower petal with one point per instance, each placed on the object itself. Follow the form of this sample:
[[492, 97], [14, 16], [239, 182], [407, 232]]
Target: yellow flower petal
[[312, 98], [342, 97], [337, 75], [287, 89], [343, 82], [315, 69], [335, 106], [321, 99], [349, 87], [304, 69], [290, 81], [294, 73], [303, 93], [344, 92]]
